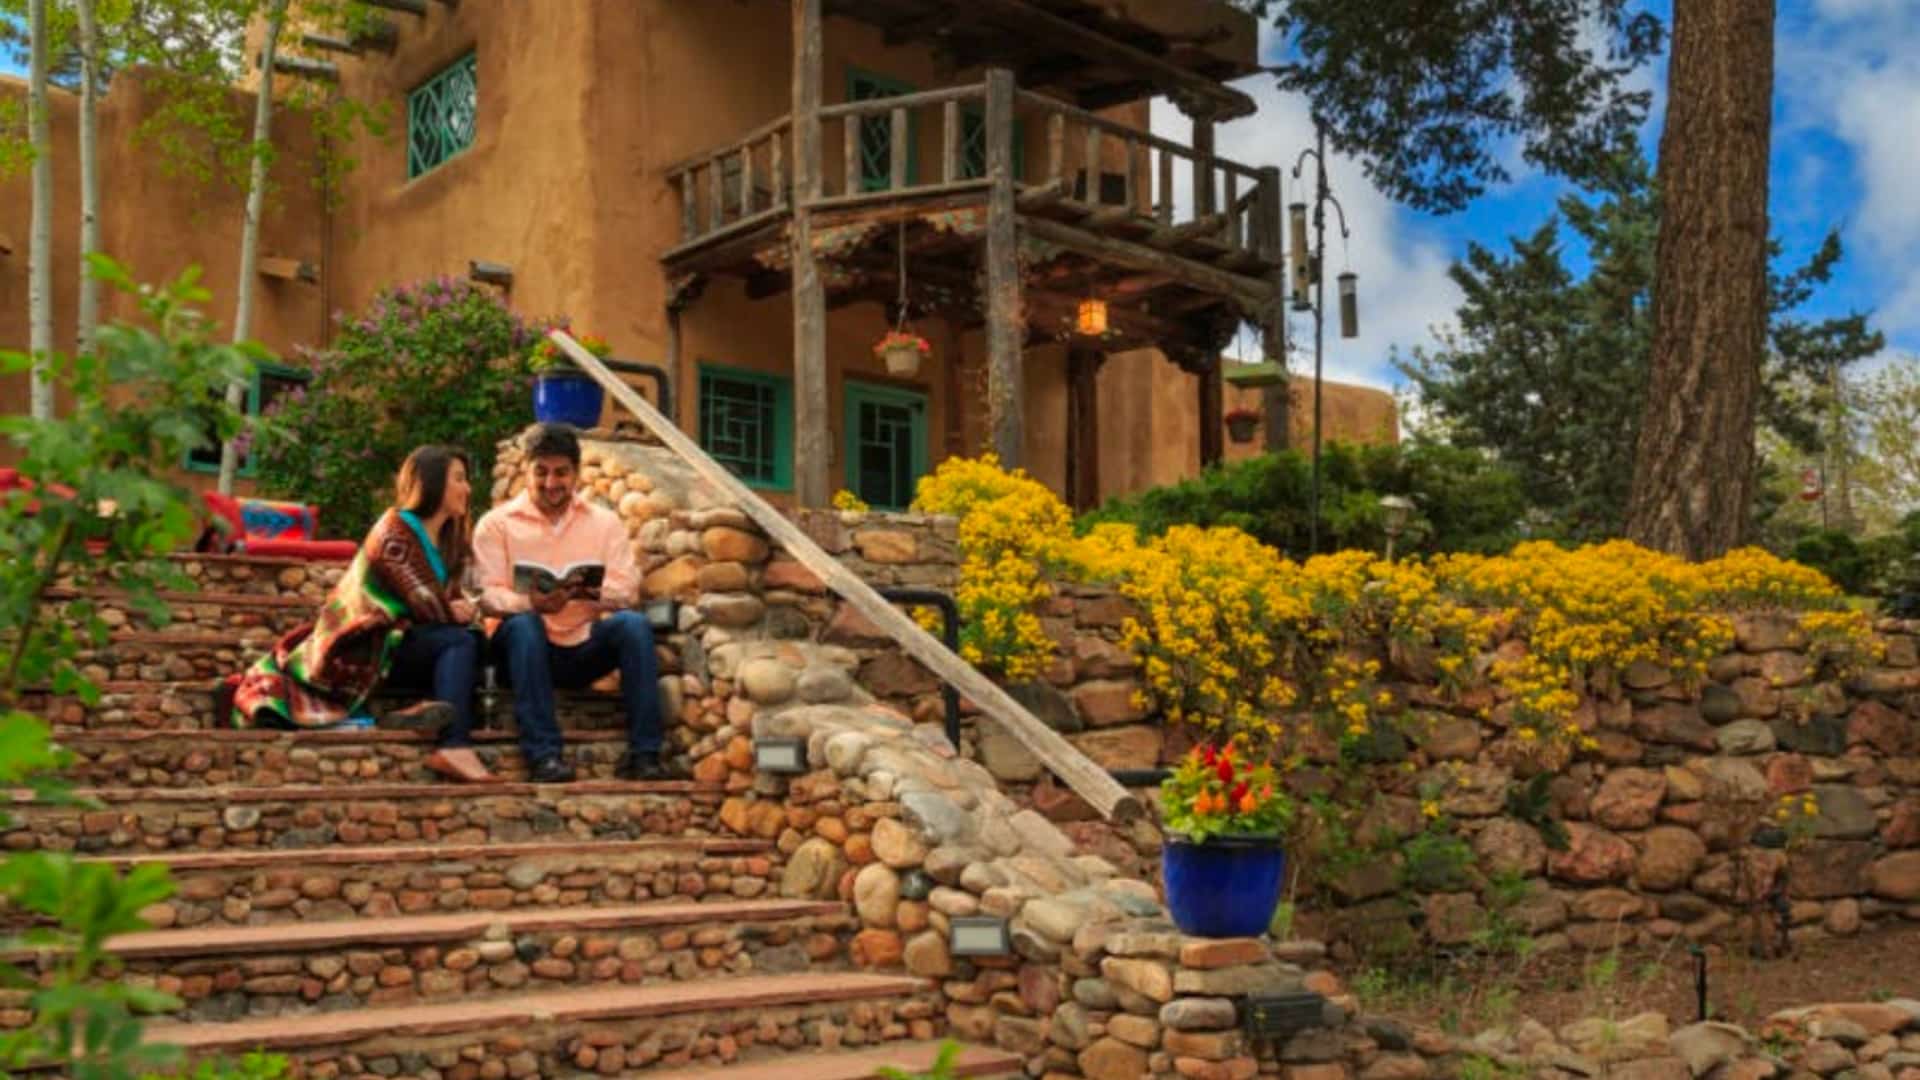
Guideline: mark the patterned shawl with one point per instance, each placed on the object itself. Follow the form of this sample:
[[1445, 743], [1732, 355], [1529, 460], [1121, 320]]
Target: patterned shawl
[[322, 672]]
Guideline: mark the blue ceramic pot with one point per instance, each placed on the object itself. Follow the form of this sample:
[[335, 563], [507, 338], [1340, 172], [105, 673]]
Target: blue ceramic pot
[[1227, 886], [566, 396]]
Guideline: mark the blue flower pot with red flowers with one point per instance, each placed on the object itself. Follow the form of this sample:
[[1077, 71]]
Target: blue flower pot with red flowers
[[567, 396], [1224, 886]]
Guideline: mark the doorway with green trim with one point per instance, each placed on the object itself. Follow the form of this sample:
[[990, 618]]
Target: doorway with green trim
[[886, 443]]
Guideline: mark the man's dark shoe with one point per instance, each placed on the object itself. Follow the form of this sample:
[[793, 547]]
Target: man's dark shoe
[[642, 766], [551, 770]]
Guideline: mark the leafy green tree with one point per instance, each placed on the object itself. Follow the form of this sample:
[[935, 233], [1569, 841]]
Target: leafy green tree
[[1429, 95], [1548, 372], [99, 515], [441, 361], [1464, 501]]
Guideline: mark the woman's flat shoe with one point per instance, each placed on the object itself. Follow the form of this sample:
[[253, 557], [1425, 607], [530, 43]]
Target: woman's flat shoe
[[461, 763], [420, 715]]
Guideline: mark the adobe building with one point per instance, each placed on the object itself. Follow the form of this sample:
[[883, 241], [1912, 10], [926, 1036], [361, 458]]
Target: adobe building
[[731, 188]]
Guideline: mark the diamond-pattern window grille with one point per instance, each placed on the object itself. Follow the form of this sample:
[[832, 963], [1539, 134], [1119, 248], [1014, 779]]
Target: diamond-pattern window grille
[[746, 423], [886, 444], [441, 116], [876, 132], [973, 145]]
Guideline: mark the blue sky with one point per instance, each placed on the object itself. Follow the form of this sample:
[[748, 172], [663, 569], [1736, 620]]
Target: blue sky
[[1846, 155]]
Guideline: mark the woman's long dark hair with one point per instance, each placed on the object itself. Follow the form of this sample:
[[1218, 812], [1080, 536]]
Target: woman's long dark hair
[[422, 486]]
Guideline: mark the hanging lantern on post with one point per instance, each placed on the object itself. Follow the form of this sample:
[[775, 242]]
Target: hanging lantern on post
[[1297, 242], [1091, 320], [1349, 305], [1810, 487]]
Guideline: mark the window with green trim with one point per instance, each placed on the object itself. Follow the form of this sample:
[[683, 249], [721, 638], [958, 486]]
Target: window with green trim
[[270, 381], [876, 132], [886, 443], [746, 423], [973, 145], [441, 116]]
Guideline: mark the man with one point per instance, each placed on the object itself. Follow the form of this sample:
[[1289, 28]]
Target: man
[[559, 637]]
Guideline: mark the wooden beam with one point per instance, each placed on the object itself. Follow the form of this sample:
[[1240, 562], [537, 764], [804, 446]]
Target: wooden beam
[[1005, 324], [812, 479], [1197, 93], [304, 67], [286, 269], [942, 16], [328, 43], [416, 8], [1084, 776], [1249, 293]]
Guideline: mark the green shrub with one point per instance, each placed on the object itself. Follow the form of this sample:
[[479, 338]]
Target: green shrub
[[441, 361], [1464, 500]]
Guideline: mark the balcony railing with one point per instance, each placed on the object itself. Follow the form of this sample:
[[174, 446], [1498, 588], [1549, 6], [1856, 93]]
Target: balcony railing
[[1063, 156]]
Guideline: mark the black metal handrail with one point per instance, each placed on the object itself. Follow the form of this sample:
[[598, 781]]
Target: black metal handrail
[[949, 636], [662, 381]]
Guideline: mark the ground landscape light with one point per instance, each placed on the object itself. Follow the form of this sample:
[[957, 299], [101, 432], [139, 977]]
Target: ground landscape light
[[780, 754], [978, 935], [491, 273]]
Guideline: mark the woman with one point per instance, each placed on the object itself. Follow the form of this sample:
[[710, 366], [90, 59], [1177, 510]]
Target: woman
[[395, 614]]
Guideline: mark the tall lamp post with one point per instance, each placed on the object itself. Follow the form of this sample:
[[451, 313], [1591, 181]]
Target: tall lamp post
[[1308, 269]]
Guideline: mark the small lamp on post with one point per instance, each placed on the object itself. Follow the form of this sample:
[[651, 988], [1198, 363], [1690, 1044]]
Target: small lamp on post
[[1395, 511]]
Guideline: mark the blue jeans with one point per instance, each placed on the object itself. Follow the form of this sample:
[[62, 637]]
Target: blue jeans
[[442, 659], [535, 666]]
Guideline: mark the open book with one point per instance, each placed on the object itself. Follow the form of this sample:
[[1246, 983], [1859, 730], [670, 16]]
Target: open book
[[581, 578]]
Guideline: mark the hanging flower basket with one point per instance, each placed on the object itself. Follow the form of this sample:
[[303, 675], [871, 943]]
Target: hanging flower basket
[[1241, 424], [903, 352]]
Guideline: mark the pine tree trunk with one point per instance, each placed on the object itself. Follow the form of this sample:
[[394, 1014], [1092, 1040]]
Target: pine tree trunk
[[40, 240], [250, 232], [87, 314], [1693, 463]]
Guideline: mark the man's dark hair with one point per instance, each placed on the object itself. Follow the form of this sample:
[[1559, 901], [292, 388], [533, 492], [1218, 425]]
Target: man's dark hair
[[552, 440]]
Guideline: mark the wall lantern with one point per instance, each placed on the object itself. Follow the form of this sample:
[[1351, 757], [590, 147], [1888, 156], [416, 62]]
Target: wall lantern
[[1349, 305], [1092, 318], [781, 755], [978, 935], [663, 615], [1297, 242], [490, 273]]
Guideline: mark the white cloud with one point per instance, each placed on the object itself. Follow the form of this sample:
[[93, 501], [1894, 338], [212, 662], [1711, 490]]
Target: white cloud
[[1404, 289]]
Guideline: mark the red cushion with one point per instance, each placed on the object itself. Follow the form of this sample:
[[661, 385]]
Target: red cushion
[[314, 550]]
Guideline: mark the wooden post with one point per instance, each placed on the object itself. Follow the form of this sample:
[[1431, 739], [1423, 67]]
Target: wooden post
[[956, 390], [716, 194], [812, 463], [689, 208], [1203, 203], [897, 142], [851, 151], [777, 169], [1093, 165], [1212, 422], [950, 142], [1083, 428], [1086, 777], [1006, 324], [1056, 146], [746, 180], [1164, 211]]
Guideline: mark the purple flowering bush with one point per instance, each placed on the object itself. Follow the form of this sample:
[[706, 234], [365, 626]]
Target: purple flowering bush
[[438, 361]]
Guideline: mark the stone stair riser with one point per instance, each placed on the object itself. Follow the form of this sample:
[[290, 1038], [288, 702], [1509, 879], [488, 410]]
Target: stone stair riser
[[191, 705], [248, 896], [224, 988], [462, 815], [626, 1047], [186, 762]]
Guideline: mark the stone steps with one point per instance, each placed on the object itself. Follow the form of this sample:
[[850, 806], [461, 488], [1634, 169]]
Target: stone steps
[[175, 758], [154, 704], [139, 819], [263, 887], [611, 1030], [228, 973], [974, 1061]]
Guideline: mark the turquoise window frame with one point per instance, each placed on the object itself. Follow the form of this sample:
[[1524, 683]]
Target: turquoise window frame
[[858, 393], [974, 118], [427, 150], [781, 439], [247, 467], [893, 87]]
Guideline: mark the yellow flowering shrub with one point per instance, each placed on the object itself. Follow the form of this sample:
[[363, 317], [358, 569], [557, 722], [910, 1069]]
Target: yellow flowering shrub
[[1242, 642]]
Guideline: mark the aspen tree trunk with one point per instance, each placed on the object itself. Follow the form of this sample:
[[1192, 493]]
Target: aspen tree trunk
[[1693, 462], [250, 233], [88, 305], [40, 239]]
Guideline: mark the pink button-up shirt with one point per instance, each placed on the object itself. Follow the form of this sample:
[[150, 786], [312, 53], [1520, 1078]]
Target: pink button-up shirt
[[518, 532]]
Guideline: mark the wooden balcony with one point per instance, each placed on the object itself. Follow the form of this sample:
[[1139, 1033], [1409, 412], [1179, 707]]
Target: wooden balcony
[[1097, 206]]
